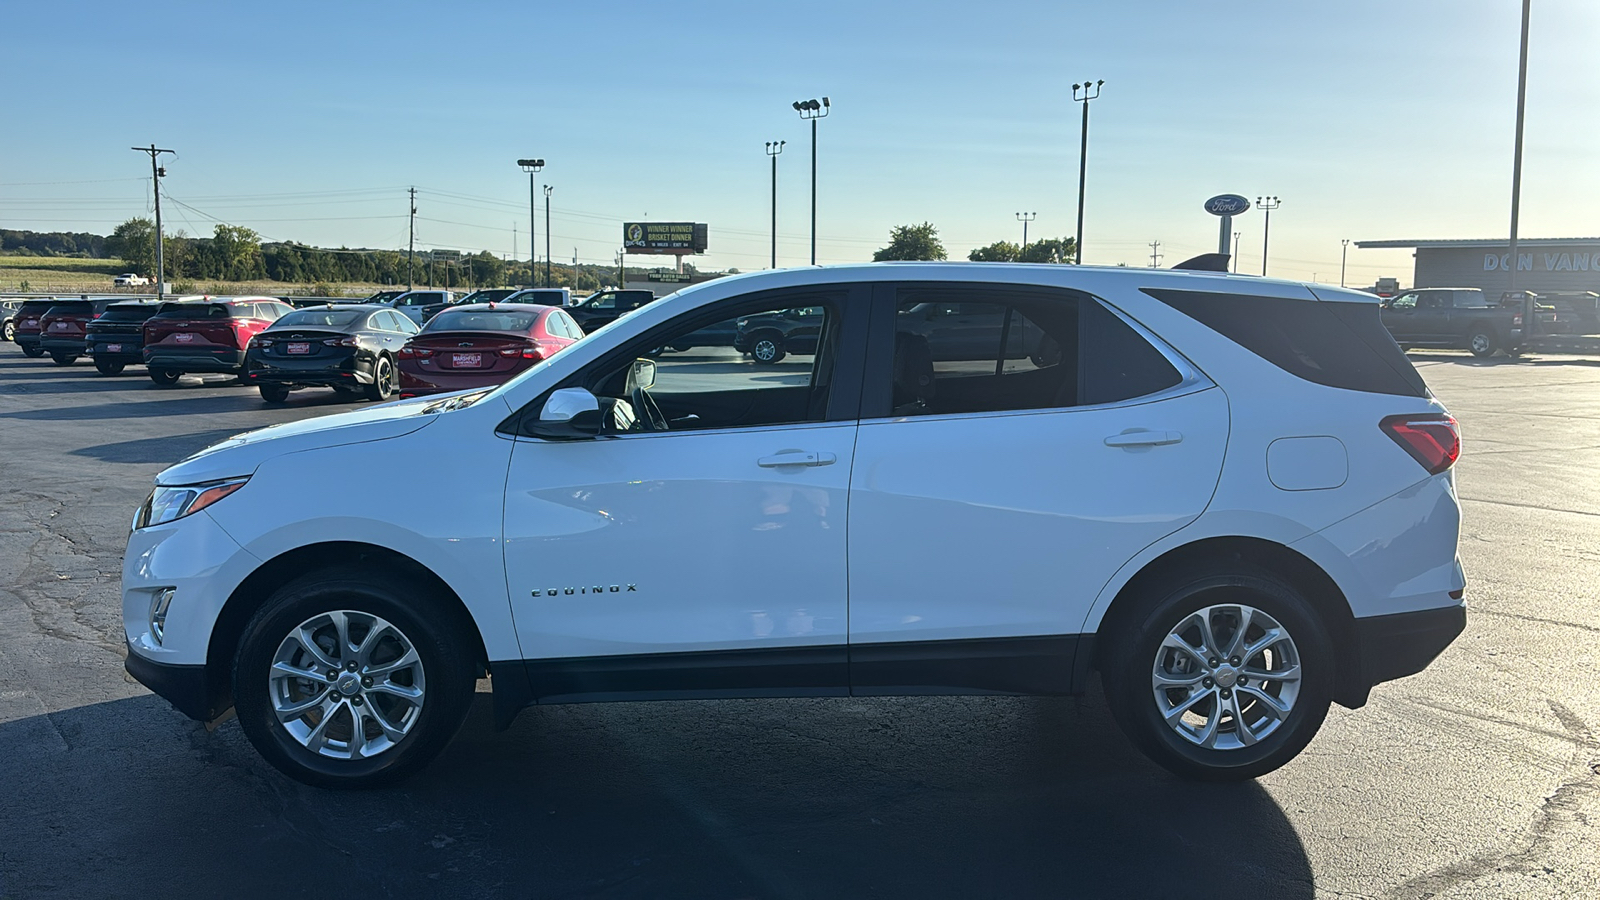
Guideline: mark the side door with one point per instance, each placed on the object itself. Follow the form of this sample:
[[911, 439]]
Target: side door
[[1400, 317], [1433, 316], [695, 545], [994, 496]]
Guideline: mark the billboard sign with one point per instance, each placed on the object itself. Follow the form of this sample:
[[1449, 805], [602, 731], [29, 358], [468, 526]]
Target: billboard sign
[[1227, 205], [669, 238]]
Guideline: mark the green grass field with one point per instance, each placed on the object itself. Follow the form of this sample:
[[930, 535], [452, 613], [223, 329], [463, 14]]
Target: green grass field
[[69, 275]]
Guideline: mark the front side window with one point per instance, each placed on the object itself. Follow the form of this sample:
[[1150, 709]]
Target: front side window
[[1404, 301], [604, 301]]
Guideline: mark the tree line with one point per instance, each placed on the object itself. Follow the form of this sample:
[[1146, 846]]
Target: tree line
[[52, 243], [913, 242]]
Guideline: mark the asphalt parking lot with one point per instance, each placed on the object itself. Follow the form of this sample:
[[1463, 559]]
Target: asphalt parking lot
[[1478, 778]]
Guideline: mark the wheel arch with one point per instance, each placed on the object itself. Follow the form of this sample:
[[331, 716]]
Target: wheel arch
[[1271, 557], [291, 564]]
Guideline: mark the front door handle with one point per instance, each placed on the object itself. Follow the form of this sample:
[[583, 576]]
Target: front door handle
[[796, 458], [1143, 439]]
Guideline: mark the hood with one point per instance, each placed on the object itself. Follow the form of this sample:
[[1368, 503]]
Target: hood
[[242, 454]]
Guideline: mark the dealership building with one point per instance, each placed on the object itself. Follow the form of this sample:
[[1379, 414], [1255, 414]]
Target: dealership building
[[1544, 265]]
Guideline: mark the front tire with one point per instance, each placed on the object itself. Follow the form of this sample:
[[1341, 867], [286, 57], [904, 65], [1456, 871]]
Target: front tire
[[10, 331], [274, 393], [348, 678], [106, 367], [1219, 675], [165, 377], [383, 381]]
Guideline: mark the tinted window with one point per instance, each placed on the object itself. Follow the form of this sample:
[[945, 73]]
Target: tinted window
[[79, 308], [482, 320], [1404, 301], [601, 301], [126, 314], [319, 318], [1114, 362], [195, 311], [1342, 345]]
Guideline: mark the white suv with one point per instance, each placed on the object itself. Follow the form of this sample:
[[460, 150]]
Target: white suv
[[1230, 496]]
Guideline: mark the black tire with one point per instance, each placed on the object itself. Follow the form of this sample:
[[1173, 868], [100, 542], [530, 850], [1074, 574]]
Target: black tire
[[766, 348], [1482, 341], [274, 393], [165, 377], [383, 380], [107, 367], [63, 359], [1130, 654], [9, 332], [682, 348], [445, 652], [32, 352]]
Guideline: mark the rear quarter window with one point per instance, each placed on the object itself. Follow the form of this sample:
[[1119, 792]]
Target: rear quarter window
[[1332, 343]]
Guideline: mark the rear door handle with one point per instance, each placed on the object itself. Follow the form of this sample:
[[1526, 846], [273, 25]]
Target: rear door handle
[[1143, 439], [796, 458]]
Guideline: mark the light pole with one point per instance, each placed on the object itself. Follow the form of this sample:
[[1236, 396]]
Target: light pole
[[1025, 218], [773, 149], [812, 110], [548, 190], [1344, 251], [1529, 305], [1268, 204], [532, 167], [1089, 92], [156, 174], [1236, 251]]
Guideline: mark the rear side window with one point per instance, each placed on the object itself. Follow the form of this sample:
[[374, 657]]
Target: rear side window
[[1341, 345]]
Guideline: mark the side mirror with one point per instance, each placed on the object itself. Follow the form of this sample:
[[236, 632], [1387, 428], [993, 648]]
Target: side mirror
[[642, 375], [568, 414]]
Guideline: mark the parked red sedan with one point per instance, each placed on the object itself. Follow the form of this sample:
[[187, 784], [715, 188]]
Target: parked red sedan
[[482, 345]]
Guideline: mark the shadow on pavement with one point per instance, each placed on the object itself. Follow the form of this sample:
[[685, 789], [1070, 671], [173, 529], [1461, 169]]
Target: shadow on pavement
[[158, 449], [961, 797], [1474, 362]]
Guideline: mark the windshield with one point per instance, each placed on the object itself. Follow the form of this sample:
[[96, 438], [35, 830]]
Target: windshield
[[518, 321], [324, 318]]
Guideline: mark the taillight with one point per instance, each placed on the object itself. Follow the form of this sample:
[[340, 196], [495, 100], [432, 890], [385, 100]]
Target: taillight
[[1432, 439], [261, 342], [1517, 319], [408, 352], [340, 342]]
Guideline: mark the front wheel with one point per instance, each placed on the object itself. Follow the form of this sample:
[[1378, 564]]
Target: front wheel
[[348, 678], [165, 377], [383, 381], [10, 331], [107, 367], [274, 393], [1220, 676], [1482, 342], [63, 359]]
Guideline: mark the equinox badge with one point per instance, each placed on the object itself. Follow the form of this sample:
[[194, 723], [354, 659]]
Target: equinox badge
[[596, 589]]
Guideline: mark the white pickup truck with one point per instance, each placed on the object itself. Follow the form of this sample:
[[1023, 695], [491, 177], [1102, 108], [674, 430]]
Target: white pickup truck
[[129, 279]]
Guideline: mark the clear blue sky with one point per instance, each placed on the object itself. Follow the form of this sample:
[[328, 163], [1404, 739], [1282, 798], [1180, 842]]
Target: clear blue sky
[[309, 121]]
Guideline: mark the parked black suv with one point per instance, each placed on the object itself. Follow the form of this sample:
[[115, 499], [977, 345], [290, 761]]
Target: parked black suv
[[769, 337], [115, 340]]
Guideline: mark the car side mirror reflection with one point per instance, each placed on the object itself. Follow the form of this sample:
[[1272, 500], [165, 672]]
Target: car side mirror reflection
[[568, 414]]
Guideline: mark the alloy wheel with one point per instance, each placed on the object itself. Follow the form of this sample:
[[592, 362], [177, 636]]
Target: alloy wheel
[[1226, 677], [764, 350], [347, 685]]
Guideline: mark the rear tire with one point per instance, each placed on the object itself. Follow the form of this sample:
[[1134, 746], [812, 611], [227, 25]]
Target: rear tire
[[1276, 717], [767, 348], [63, 359], [407, 714], [383, 381], [1482, 341], [274, 393], [165, 377], [106, 367], [32, 352]]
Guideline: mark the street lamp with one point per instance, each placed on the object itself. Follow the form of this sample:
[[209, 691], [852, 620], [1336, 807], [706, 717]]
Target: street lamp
[[773, 149], [1344, 250], [548, 190], [532, 167], [812, 110], [1025, 218], [1268, 204], [1236, 250], [1089, 92]]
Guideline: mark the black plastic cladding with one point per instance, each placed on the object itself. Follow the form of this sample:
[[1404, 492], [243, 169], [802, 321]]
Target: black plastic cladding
[[1341, 345]]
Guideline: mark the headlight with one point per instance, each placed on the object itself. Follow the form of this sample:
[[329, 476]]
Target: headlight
[[167, 504]]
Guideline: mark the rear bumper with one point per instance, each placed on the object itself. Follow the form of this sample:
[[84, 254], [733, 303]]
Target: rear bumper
[[1402, 644], [27, 341], [327, 372], [60, 345], [230, 361]]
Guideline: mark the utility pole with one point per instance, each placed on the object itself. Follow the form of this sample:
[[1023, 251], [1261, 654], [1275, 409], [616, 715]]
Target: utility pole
[[1344, 250], [1529, 306], [812, 110], [1236, 235], [1269, 204], [513, 242], [411, 248], [156, 174], [1090, 92], [1025, 218], [1155, 254], [773, 149], [548, 190]]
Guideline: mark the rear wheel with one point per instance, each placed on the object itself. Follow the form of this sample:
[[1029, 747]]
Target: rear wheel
[[274, 393], [32, 352], [1218, 675], [383, 383], [767, 348], [63, 359], [165, 377], [1481, 340], [107, 367], [348, 678]]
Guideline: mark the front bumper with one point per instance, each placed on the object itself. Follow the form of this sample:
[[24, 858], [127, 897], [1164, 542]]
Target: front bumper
[[1403, 644], [188, 688]]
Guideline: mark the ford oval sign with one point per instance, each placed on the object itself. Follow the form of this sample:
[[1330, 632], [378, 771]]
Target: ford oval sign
[[1227, 205]]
